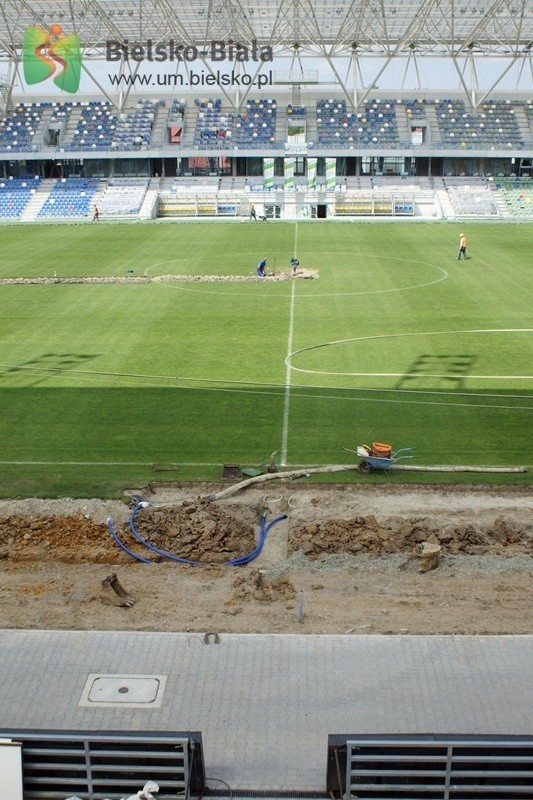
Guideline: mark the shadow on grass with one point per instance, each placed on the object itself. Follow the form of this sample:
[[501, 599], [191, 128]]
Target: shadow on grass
[[86, 440]]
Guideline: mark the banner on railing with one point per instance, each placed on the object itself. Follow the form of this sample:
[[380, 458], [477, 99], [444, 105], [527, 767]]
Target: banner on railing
[[288, 169], [311, 174], [268, 173], [331, 166]]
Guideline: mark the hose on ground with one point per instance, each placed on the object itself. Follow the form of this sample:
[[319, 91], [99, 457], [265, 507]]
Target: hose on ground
[[235, 562], [117, 540]]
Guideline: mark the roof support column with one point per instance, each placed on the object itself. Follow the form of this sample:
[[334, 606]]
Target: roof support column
[[473, 79], [356, 75], [461, 77]]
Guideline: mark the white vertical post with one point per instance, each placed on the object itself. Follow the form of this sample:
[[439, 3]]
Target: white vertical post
[[11, 769]]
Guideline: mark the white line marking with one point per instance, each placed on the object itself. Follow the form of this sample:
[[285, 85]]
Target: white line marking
[[412, 377], [111, 463], [424, 375], [287, 399], [417, 402], [147, 382], [184, 287]]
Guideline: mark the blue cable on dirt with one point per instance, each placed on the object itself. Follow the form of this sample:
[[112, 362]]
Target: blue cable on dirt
[[116, 538], [235, 562], [263, 531]]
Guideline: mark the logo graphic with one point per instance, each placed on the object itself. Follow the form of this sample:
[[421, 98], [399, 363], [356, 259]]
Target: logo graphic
[[50, 53]]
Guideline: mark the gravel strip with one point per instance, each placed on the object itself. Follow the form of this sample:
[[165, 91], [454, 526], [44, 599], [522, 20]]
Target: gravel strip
[[450, 566]]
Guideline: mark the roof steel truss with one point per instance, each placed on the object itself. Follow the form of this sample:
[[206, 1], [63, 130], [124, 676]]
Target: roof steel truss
[[460, 30]]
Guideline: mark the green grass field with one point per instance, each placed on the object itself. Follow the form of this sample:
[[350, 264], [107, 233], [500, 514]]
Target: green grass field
[[102, 385]]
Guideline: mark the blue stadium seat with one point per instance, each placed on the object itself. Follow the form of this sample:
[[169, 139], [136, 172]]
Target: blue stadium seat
[[493, 127], [17, 130], [371, 126], [15, 194], [70, 198]]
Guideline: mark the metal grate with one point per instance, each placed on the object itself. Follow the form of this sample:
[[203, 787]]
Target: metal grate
[[94, 765], [432, 767], [231, 472], [265, 794]]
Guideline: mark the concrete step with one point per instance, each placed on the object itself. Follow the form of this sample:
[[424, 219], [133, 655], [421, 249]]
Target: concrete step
[[37, 201], [148, 209], [159, 127]]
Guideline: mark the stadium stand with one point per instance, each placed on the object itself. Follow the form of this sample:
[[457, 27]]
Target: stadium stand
[[57, 123], [495, 126], [133, 129], [95, 127], [123, 197], [517, 196], [471, 200], [214, 128], [374, 125], [379, 133], [99, 128], [15, 194], [256, 125], [380, 196], [70, 198], [179, 197], [17, 130]]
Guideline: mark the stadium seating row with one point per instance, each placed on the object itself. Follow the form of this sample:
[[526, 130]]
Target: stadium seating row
[[493, 127], [17, 130], [517, 196], [375, 125], [73, 198], [214, 129], [15, 194], [256, 125], [472, 201], [97, 126], [70, 197], [123, 197]]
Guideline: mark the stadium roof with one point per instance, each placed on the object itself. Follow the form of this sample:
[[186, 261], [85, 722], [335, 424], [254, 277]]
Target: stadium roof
[[460, 31], [328, 27]]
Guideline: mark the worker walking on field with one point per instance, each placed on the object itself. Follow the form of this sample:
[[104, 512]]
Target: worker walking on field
[[462, 247]]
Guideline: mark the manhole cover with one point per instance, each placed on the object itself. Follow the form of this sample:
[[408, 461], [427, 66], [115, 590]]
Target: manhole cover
[[130, 691], [231, 472]]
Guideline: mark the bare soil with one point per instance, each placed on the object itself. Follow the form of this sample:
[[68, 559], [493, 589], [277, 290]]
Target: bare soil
[[340, 559]]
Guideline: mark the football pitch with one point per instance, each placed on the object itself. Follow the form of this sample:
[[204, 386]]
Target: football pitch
[[105, 385]]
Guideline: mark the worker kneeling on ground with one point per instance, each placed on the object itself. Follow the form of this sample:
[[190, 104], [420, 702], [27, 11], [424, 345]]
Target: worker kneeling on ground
[[261, 268]]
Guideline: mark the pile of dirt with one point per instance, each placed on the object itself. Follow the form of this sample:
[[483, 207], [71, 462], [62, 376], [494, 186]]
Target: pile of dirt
[[340, 559], [203, 531], [64, 539], [197, 530], [365, 535], [94, 279], [253, 586]]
